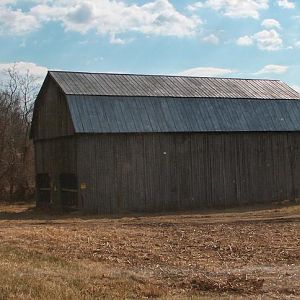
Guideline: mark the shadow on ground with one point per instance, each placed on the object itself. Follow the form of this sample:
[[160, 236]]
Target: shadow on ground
[[28, 211], [266, 213]]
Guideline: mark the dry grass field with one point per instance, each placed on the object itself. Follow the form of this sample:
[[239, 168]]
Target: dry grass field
[[236, 254]]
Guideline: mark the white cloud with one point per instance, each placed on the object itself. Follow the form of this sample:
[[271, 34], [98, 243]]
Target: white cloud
[[24, 67], [273, 69], [245, 41], [268, 40], [195, 6], [271, 23], [211, 39], [234, 8], [206, 71], [297, 44], [118, 41], [156, 17], [16, 22], [286, 4], [81, 14], [297, 18], [3, 2]]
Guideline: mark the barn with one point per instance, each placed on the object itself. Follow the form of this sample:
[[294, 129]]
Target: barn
[[119, 143]]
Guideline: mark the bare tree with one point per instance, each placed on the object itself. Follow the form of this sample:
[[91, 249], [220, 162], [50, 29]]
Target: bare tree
[[17, 94]]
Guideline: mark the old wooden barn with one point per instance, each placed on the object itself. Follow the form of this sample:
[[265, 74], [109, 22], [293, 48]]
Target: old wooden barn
[[112, 143]]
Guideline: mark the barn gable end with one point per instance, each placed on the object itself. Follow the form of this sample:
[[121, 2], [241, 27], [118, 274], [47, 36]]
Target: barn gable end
[[51, 117]]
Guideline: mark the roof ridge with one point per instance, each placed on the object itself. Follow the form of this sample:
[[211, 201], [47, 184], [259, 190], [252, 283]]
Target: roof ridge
[[185, 98], [163, 75]]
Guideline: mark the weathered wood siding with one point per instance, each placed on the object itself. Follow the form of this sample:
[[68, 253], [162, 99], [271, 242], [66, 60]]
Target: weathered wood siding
[[51, 116], [169, 172], [54, 157]]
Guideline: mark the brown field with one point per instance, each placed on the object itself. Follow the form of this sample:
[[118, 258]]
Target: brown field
[[236, 254]]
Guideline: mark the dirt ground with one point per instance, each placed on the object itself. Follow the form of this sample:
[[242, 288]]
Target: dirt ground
[[235, 254]]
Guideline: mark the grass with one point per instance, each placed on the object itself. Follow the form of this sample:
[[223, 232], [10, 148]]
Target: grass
[[32, 275], [232, 254]]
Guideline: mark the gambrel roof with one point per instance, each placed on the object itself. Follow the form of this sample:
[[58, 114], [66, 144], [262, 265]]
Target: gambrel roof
[[116, 103]]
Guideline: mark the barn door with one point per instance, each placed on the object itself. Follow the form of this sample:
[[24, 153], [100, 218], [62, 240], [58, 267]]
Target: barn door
[[43, 189], [69, 191]]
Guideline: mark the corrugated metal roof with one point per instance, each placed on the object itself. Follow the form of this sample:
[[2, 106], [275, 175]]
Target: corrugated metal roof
[[101, 84], [103, 114]]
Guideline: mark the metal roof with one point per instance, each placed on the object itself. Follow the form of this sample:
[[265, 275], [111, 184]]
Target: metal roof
[[101, 84], [103, 114]]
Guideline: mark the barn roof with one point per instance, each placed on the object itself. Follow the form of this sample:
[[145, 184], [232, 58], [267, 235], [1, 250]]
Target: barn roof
[[102, 114], [114, 103], [103, 84]]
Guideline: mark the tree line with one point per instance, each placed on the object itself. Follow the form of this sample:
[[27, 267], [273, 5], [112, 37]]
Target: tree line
[[18, 91]]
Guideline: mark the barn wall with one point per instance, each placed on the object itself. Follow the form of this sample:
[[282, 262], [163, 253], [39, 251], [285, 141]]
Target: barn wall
[[51, 114], [54, 157], [168, 172]]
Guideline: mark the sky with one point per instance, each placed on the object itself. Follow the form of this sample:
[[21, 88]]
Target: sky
[[222, 38]]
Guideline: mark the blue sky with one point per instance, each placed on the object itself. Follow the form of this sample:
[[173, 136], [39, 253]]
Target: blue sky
[[224, 38]]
